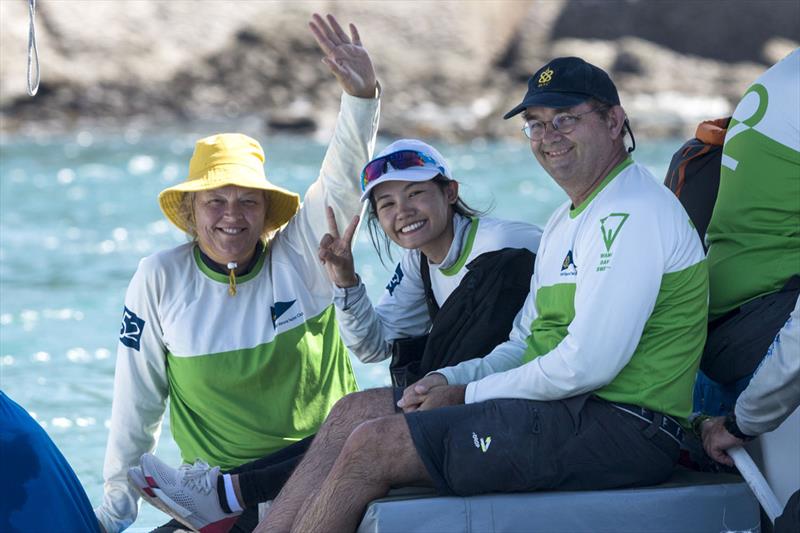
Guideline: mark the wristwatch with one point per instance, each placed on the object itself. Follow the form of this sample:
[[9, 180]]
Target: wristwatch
[[696, 422], [733, 428]]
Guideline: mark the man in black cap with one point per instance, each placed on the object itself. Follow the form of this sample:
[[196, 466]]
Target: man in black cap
[[595, 381]]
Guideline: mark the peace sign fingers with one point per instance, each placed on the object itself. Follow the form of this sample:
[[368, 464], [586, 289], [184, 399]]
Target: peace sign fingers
[[335, 252], [349, 231], [346, 240], [333, 229]]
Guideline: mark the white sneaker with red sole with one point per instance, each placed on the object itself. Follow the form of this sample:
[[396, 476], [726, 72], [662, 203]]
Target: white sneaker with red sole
[[188, 493]]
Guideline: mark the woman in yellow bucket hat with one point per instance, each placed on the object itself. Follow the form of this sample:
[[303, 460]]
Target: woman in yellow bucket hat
[[237, 326]]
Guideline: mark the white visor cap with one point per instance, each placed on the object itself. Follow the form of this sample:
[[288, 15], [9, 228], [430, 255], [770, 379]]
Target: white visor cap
[[437, 165]]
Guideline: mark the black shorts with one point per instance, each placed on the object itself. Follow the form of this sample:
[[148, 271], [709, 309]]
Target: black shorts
[[525, 445]]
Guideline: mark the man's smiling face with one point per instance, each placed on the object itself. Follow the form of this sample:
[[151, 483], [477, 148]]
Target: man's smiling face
[[577, 158]]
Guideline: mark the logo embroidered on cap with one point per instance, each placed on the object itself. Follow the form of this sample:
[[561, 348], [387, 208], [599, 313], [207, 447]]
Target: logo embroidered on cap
[[545, 77], [130, 334]]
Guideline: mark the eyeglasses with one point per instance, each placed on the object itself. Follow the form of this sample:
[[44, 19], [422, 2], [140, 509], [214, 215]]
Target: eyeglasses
[[562, 123], [400, 160]]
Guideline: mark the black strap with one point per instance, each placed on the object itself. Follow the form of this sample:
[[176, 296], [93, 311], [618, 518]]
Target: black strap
[[738, 341], [430, 299]]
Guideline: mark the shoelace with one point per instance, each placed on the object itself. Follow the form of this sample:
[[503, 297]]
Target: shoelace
[[197, 476]]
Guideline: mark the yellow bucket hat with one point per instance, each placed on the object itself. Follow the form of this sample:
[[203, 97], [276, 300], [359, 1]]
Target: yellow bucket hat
[[229, 159]]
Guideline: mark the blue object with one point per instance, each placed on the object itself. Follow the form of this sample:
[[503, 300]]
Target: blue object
[[41, 492], [716, 399]]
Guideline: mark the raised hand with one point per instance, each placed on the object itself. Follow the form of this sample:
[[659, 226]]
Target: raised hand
[[345, 56], [336, 252]]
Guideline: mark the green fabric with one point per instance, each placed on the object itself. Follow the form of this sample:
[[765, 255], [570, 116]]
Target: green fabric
[[233, 407], [556, 309], [462, 258], [754, 233], [670, 347], [575, 211]]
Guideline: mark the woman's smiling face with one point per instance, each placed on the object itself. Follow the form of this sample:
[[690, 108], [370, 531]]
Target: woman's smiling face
[[229, 222], [417, 215]]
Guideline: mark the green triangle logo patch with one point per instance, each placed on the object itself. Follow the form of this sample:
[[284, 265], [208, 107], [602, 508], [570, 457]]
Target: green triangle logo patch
[[610, 226]]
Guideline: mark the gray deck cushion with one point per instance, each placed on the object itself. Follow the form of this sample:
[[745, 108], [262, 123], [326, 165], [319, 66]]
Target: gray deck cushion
[[687, 502]]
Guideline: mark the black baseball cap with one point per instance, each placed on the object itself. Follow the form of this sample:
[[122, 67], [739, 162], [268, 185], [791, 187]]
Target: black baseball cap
[[566, 82]]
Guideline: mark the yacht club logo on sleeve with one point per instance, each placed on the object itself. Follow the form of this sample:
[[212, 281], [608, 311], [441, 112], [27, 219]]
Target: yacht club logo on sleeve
[[395, 281], [130, 334], [610, 227]]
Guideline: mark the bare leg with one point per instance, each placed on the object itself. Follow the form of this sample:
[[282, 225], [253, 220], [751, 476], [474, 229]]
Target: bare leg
[[378, 455], [307, 479]]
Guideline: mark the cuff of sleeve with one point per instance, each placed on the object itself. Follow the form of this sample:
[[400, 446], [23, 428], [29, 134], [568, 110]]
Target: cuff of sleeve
[[732, 426], [346, 297], [364, 101], [446, 372], [470, 392], [743, 425], [441, 373], [109, 524]]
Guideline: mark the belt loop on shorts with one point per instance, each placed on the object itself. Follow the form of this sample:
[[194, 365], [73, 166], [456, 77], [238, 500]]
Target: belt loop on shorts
[[658, 421], [654, 426]]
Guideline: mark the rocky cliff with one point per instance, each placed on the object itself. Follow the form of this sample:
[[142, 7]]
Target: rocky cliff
[[449, 68]]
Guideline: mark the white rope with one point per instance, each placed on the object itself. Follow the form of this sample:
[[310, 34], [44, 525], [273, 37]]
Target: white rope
[[33, 52]]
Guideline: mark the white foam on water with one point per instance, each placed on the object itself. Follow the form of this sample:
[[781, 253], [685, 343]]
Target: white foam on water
[[65, 176], [78, 355]]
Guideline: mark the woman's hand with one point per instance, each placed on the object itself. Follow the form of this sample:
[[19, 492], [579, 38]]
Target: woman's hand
[[336, 252], [345, 56]]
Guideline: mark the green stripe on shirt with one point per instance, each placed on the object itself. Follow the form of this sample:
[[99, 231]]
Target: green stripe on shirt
[[661, 374], [218, 409]]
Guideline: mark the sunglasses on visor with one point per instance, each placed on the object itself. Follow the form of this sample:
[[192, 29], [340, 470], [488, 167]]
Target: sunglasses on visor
[[399, 161]]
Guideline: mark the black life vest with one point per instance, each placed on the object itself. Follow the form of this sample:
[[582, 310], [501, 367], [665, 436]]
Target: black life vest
[[477, 316]]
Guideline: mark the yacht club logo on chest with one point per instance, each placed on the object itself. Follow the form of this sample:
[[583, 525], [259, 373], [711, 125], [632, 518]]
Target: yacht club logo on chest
[[610, 227], [280, 309]]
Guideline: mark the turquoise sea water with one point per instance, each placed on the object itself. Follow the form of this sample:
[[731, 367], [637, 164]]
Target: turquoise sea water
[[78, 211]]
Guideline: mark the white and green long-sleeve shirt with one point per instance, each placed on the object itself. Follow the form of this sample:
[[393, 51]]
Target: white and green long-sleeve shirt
[[402, 310], [248, 374], [618, 305], [754, 232]]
